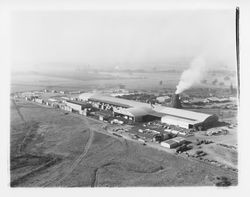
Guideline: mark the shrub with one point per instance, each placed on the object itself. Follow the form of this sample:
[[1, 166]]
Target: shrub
[[223, 182]]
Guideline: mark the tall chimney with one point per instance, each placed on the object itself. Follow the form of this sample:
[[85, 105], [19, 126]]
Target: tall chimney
[[176, 103]]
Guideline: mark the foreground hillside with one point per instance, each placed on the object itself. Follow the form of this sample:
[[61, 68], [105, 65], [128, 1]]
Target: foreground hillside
[[50, 148]]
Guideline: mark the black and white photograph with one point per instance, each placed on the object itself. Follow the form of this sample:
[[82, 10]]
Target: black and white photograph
[[124, 97]]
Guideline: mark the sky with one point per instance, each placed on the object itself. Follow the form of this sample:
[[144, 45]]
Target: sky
[[120, 39]]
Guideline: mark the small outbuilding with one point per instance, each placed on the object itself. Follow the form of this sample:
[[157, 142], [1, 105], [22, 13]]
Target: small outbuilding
[[169, 144]]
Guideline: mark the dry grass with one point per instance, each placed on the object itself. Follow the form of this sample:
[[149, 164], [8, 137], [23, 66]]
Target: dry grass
[[109, 161]]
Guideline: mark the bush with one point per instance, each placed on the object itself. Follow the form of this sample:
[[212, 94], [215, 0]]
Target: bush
[[199, 152], [223, 182]]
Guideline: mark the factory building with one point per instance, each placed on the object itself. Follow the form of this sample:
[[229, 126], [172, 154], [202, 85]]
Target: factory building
[[143, 112], [78, 106], [185, 118], [128, 109]]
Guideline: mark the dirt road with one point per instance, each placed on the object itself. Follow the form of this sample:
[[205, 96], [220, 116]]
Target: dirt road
[[18, 110], [79, 159]]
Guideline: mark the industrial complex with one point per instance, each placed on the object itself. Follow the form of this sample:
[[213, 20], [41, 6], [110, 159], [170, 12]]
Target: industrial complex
[[177, 125], [133, 111], [138, 112], [137, 117]]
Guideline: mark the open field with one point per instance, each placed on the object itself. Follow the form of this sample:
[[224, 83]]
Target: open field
[[215, 151], [49, 148], [82, 81], [221, 154]]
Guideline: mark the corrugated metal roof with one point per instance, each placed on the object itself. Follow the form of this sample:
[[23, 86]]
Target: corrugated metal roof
[[139, 111], [179, 119], [117, 101], [138, 108], [178, 139], [182, 114], [79, 103], [170, 142]]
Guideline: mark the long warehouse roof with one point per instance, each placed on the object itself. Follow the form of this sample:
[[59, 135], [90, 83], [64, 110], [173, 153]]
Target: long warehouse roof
[[181, 113], [79, 103], [137, 108], [117, 101]]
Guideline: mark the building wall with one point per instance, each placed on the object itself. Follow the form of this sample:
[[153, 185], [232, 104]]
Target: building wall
[[208, 123], [68, 108], [74, 106], [169, 145], [83, 112], [138, 119], [122, 111], [167, 120], [148, 118], [204, 125], [38, 100]]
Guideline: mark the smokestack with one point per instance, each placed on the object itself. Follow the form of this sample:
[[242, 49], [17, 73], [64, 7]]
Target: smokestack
[[176, 103]]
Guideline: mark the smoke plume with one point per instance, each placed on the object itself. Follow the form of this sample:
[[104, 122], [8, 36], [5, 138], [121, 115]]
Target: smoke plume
[[193, 75]]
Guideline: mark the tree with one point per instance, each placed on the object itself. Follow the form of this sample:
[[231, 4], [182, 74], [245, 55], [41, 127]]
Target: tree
[[215, 81]]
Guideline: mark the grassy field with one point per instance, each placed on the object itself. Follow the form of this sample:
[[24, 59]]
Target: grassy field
[[51, 149]]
